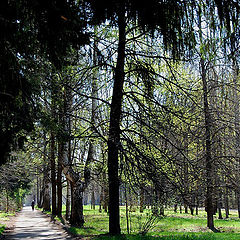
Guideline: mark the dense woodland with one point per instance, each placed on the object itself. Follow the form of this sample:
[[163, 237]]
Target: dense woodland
[[120, 103]]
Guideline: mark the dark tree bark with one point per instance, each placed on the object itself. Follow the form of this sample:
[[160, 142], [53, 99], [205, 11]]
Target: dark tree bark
[[46, 198], [114, 129], [101, 200], [196, 209], [126, 205], [77, 188], [59, 180], [161, 210], [185, 208], [175, 207], [93, 199], [39, 202], [220, 208], [208, 156], [77, 218], [46, 179], [142, 202], [237, 124], [38, 191], [238, 203], [53, 173], [226, 203], [7, 203], [191, 210], [105, 195]]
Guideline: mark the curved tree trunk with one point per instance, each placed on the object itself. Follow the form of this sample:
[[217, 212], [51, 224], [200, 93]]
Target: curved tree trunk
[[78, 182], [77, 218]]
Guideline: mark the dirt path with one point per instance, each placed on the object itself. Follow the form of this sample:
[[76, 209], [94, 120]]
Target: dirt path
[[35, 225]]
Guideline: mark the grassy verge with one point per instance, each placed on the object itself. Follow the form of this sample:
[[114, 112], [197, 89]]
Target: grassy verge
[[2, 228], [173, 226], [4, 217], [176, 236]]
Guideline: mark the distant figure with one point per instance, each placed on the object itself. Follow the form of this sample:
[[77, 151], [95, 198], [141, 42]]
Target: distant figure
[[33, 203]]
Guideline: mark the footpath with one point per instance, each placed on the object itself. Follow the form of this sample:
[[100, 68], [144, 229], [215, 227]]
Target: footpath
[[35, 225]]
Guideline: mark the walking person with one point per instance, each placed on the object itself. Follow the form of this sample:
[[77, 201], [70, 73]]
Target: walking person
[[33, 203]]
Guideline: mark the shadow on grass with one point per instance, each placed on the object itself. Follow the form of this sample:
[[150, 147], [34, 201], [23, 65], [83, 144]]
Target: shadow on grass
[[140, 237], [84, 231]]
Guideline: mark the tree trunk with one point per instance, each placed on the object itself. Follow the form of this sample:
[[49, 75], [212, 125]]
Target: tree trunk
[[141, 199], [46, 198], [105, 199], [161, 210], [185, 208], [191, 210], [39, 203], [69, 185], [77, 218], [196, 209], [77, 184], [59, 180], [93, 200], [155, 202], [237, 127], [208, 157], [226, 203], [238, 203], [101, 200], [77, 188], [46, 180], [38, 189], [7, 203], [220, 211], [175, 207], [114, 129], [68, 200], [53, 173], [126, 204], [209, 207]]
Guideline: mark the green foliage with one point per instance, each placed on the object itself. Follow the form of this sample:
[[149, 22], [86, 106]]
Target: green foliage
[[31, 33], [15, 181], [2, 228]]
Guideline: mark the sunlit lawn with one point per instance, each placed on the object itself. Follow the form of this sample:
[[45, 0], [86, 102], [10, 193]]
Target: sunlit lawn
[[171, 226]]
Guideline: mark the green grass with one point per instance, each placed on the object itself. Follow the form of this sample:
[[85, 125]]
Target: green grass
[[173, 226], [2, 228], [179, 236], [3, 218]]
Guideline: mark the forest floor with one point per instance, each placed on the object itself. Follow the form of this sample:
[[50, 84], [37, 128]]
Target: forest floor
[[30, 224]]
